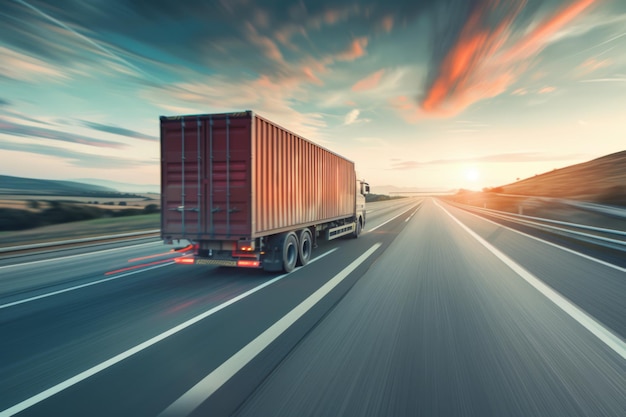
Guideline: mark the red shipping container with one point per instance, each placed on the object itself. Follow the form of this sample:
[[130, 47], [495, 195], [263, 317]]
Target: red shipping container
[[238, 176]]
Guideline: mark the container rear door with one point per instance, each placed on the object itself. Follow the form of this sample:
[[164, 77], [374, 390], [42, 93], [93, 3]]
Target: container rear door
[[228, 193], [205, 177]]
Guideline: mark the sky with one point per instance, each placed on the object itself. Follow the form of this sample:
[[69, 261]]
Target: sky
[[432, 94]]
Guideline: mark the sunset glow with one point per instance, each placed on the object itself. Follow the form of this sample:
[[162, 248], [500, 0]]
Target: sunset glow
[[412, 92]]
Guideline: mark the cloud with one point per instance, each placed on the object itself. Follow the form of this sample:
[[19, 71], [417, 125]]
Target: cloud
[[97, 45], [116, 130], [520, 92], [547, 89], [21, 67], [14, 129], [272, 98], [352, 116], [4, 102], [518, 157], [215, 34], [592, 65], [370, 82], [38, 47], [606, 80], [495, 44], [387, 23], [268, 46], [77, 159], [356, 50]]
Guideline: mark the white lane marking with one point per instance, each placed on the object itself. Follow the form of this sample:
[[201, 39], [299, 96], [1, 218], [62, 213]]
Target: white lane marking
[[89, 284], [596, 328], [190, 400], [411, 216], [582, 255], [385, 222], [79, 255], [29, 402]]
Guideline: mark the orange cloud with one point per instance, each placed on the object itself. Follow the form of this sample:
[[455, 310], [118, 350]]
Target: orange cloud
[[485, 62], [387, 23], [369, 82], [592, 65], [547, 89], [18, 66], [269, 47], [356, 50], [332, 16], [536, 40], [308, 72]]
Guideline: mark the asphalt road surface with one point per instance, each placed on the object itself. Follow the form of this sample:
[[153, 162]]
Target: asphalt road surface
[[432, 312]]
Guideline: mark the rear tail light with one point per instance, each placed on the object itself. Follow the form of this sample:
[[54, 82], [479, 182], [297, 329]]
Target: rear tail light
[[248, 264], [245, 246], [184, 260]]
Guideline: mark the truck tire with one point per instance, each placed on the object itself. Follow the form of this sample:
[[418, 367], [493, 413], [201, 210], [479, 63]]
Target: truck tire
[[357, 229], [305, 247], [290, 251]]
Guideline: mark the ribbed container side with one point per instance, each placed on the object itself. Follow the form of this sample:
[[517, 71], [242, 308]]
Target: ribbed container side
[[296, 182]]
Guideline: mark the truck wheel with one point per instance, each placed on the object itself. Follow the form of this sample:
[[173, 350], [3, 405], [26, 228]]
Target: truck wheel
[[305, 247], [357, 229], [290, 251]]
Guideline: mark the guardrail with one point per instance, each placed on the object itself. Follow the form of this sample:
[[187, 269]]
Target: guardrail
[[610, 238], [78, 241], [593, 207]]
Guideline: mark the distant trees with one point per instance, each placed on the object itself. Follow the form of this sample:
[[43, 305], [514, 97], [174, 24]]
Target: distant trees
[[60, 212], [369, 198], [151, 209]]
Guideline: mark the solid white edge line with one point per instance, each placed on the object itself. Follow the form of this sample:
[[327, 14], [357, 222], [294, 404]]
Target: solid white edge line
[[387, 221], [77, 287], [95, 239], [79, 255], [410, 217], [582, 255], [596, 328], [29, 402], [195, 396]]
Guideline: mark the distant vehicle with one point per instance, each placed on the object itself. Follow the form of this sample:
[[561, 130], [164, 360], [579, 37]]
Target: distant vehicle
[[249, 193]]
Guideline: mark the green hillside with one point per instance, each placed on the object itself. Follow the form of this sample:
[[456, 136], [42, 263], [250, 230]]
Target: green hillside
[[32, 186]]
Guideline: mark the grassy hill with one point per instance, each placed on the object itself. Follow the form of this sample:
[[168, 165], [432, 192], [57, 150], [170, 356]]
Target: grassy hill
[[32, 186], [601, 180]]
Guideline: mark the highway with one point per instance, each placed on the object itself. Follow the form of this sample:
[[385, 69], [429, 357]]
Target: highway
[[433, 311]]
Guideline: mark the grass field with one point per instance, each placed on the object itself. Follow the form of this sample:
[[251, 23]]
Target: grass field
[[82, 229], [22, 201], [601, 180]]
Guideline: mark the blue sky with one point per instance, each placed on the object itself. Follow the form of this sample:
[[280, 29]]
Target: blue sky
[[429, 94]]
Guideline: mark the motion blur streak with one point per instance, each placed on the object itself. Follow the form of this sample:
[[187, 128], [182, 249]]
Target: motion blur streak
[[141, 258], [89, 284], [130, 268], [85, 38], [605, 335], [191, 399], [485, 61]]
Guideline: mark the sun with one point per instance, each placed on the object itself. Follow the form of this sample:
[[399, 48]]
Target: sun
[[472, 174]]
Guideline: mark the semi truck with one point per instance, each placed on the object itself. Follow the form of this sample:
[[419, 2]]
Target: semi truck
[[246, 192]]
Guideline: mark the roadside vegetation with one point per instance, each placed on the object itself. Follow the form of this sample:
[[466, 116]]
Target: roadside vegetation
[[370, 198], [46, 213], [105, 226]]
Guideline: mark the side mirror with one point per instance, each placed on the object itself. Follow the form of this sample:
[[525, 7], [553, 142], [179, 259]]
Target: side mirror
[[366, 188]]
